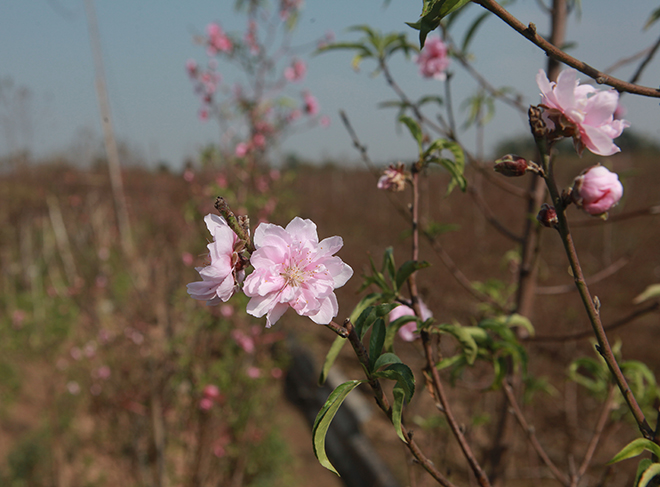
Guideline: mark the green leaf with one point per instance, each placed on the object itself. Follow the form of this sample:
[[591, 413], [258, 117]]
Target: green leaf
[[364, 304], [653, 291], [406, 270], [432, 13], [330, 358], [386, 359], [388, 263], [364, 321], [465, 338], [376, 342], [655, 15], [324, 418], [643, 464], [649, 474], [402, 374], [415, 130], [522, 321], [399, 395], [634, 448]]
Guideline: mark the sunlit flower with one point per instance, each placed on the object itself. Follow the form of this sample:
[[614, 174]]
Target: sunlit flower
[[581, 112], [221, 277], [597, 190], [433, 59], [408, 332], [293, 269], [393, 178]]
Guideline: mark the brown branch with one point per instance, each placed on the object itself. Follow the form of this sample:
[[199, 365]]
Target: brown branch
[[597, 277], [588, 333], [490, 216], [529, 32], [531, 436], [645, 62], [443, 405], [595, 438]]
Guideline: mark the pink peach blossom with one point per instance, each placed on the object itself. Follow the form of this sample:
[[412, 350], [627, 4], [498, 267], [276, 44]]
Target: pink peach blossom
[[218, 40], [433, 60], [581, 112], [597, 190], [205, 403], [295, 72], [293, 269], [241, 149], [311, 104], [222, 276], [253, 372], [211, 391]]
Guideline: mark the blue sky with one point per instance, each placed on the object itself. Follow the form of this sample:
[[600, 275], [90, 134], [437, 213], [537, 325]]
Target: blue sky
[[46, 48]]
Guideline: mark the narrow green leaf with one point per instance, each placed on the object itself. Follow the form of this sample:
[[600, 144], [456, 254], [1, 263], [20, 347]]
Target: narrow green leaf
[[649, 474], [364, 304], [399, 395], [325, 417], [330, 358], [415, 130], [634, 448], [432, 13], [376, 342], [364, 321], [465, 338], [388, 263], [384, 309], [655, 15], [407, 269]]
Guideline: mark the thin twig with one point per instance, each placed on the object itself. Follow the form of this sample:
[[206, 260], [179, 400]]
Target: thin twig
[[595, 438], [529, 32], [588, 333], [531, 436], [597, 277], [648, 211]]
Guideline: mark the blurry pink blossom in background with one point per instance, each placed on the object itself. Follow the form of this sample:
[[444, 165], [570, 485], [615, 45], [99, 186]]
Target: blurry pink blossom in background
[[253, 372], [597, 190], [324, 121], [293, 269], [211, 391], [311, 104], [241, 149], [205, 403], [220, 278], [433, 59], [218, 40], [187, 258], [227, 310], [244, 341], [295, 72], [581, 112], [408, 332], [191, 67]]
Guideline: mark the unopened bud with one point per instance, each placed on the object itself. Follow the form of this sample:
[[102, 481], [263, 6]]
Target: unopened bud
[[548, 216], [511, 166]]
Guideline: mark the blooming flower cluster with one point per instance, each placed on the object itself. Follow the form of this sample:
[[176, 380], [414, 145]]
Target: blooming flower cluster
[[580, 112], [218, 41], [597, 190], [433, 60], [295, 72], [292, 269]]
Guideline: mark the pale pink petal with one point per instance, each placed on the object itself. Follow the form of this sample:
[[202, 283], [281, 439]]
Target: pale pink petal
[[303, 230], [329, 309]]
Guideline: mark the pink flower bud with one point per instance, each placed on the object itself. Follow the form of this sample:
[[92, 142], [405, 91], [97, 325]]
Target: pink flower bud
[[511, 166], [205, 404], [597, 190]]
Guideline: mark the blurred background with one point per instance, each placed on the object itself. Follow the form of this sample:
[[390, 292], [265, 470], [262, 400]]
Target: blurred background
[[110, 374]]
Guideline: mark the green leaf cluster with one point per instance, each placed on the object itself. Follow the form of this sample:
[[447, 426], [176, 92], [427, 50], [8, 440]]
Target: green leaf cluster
[[647, 469]]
